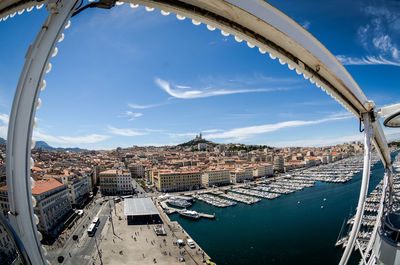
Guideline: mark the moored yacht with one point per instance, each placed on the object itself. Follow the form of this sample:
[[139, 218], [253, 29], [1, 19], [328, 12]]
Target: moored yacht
[[189, 214]]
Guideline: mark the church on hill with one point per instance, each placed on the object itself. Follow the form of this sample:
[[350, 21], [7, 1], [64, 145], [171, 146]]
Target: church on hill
[[198, 138]]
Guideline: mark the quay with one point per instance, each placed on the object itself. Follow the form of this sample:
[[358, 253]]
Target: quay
[[118, 239], [169, 210]]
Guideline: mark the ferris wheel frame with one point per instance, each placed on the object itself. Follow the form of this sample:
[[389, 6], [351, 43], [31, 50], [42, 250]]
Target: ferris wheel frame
[[254, 21]]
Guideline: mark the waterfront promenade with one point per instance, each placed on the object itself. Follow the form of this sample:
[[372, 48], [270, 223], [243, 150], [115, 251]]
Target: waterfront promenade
[[139, 244]]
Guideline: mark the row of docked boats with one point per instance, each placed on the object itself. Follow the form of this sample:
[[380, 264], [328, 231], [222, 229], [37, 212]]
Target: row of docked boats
[[341, 171], [240, 198], [370, 212], [214, 200]]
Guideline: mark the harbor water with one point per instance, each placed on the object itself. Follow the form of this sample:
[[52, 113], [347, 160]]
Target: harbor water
[[291, 229]]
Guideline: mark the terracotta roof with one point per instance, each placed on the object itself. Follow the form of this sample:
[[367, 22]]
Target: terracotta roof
[[42, 186]]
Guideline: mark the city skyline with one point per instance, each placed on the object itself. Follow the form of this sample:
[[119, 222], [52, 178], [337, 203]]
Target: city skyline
[[109, 88]]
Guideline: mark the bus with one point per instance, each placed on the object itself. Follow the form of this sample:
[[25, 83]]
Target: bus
[[96, 221], [91, 230]]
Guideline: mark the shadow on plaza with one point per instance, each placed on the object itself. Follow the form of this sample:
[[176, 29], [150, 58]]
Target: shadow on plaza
[[144, 220]]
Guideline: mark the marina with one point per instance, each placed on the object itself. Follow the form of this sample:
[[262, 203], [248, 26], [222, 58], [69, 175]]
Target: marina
[[321, 206], [371, 210], [240, 198]]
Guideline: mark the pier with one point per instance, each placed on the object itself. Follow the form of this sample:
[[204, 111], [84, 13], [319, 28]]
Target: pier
[[170, 210]]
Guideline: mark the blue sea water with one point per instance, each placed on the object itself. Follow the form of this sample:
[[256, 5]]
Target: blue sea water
[[280, 231]]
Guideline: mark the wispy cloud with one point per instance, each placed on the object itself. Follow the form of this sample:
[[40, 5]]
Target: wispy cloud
[[189, 134], [4, 118], [368, 60], [306, 24], [68, 140], [323, 141], [177, 92], [211, 131], [3, 125], [137, 106], [378, 37], [390, 134], [133, 115], [243, 133], [125, 132]]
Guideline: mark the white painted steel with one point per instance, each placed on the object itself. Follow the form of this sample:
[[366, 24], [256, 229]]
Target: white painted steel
[[378, 216], [21, 125], [368, 135], [254, 21]]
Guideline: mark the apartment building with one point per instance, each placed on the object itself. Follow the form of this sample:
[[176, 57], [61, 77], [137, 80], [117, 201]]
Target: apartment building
[[52, 205], [78, 186], [240, 175], [137, 170], [168, 180], [115, 182], [4, 206], [263, 171], [217, 177], [8, 253], [279, 164]]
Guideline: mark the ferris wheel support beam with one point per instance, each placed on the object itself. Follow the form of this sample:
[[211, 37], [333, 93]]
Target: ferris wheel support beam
[[368, 136], [386, 180], [21, 123]]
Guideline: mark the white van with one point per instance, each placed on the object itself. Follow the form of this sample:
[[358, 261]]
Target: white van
[[190, 243]]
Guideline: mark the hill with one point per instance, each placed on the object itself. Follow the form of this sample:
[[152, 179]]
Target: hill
[[194, 142], [45, 146]]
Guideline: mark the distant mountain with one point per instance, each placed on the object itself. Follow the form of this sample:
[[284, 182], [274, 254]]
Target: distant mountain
[[44, 146]]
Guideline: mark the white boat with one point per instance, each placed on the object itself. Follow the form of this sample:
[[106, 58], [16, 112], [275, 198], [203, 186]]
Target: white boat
[[190, 214]]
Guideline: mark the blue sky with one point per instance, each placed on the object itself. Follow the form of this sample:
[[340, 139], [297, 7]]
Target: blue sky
[[126, 77]]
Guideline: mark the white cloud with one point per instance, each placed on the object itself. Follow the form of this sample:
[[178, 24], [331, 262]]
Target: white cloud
[[125, 132], [68, 140], [4, 127], [189, 134], [133, 115], [183, 87], [320, 141], [4, 118], [137, 106], [3, 131], [206, 92], [306, 24], [368, 60], [239, 134], [211, 131], [378, 37], [390, 134]]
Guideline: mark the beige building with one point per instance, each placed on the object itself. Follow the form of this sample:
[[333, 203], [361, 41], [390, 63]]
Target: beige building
[[279, 164], [115, 182], [137, 170], [52, 205], [215, 177], [263, 171], [240, 175], [78, 186], [168, 180]]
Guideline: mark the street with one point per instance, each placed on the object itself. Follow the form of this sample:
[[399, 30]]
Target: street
[[81, 250]]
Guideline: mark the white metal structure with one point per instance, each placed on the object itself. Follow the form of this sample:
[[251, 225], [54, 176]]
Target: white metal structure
[[254, 21]]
